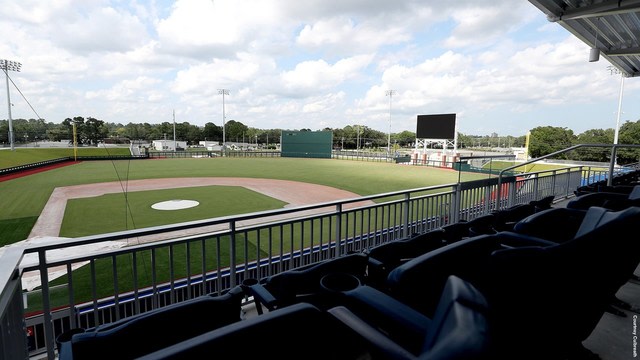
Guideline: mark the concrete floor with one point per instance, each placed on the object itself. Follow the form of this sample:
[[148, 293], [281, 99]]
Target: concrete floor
[[616, 337]]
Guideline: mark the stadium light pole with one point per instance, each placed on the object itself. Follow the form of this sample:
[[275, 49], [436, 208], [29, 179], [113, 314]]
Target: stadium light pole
[[7, 66], [613, 71], [390, 94], [223, 92]]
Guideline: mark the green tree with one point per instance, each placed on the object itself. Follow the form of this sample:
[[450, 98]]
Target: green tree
[[548, 139], [212, 132], [235, 130], [94, 131], [629, 134], [594, 136], [405, 138]]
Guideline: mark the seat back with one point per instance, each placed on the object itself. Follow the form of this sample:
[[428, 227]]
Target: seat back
[[146, 332], [459, 329], [386, 257], [299, 331], [555, 224], [419, 282]]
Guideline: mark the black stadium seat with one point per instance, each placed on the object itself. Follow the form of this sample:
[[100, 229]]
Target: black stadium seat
[[303, 284], [141, 334], [459, 329], [299, 331]]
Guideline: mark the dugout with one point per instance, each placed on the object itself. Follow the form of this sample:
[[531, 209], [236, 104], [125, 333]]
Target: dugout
[[306, 144]]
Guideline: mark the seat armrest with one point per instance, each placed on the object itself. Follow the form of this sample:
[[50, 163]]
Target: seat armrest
[[509, 239], [400, 322], [376, 340], [372, 262], [262, 296]]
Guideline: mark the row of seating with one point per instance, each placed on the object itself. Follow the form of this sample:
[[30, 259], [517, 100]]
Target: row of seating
[[510, 285], [621, 183]]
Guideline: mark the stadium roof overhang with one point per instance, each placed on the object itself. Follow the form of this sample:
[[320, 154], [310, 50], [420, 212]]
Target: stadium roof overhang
[[616, 23]]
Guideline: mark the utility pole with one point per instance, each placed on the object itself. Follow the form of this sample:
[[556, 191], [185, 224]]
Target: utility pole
[[175, 147], [7, 66]]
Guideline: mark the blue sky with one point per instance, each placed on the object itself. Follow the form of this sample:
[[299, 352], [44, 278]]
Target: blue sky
[[498, 64]]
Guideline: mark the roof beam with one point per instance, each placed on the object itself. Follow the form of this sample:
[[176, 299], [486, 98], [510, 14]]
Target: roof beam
[[623, 52], [610, 7]]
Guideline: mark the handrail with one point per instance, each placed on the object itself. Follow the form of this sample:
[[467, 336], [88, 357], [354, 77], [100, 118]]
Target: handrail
[[614, 148]]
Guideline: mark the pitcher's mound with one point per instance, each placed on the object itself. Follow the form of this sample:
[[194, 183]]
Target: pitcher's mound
[[175, 205]]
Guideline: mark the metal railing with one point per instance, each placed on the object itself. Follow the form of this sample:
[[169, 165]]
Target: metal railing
[[610, 174], [101, 286]]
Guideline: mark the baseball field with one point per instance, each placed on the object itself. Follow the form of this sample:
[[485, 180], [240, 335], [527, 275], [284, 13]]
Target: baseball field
[[106, 196], [25, 198]]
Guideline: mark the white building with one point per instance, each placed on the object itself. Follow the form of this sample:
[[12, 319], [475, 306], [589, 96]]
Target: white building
[[168, 145]]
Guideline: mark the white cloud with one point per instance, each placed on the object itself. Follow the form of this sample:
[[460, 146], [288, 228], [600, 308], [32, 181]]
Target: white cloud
[[309, 77], [310, 64]]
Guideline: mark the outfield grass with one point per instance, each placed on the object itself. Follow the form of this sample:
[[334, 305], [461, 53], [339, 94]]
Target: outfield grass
[[25, 156], [536, 167]]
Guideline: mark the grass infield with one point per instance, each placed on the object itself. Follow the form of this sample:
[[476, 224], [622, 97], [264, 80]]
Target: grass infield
[[214, 201]]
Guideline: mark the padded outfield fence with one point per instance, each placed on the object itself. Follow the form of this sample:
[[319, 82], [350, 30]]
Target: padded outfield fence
[[118, 283]]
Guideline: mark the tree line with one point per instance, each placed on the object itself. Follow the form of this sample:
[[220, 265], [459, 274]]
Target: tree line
[[548, 139], [91, 131]]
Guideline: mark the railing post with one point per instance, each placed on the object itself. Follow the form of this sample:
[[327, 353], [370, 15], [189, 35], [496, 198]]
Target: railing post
[[338, 229], [499, 193], [232, 254], [566, 195], [536, 184], [553, 183], [612, 163], [405, 215], [456, 199], [513, 187], [46, 305]]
